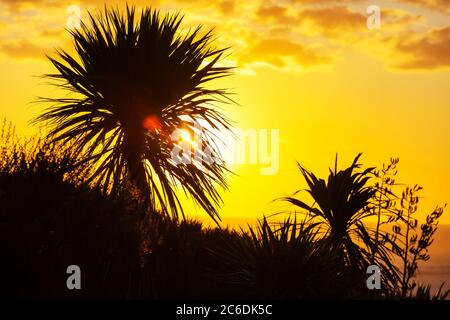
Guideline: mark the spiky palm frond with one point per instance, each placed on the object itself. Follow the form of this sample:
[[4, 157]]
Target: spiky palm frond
[[340, 204], [136, 80]]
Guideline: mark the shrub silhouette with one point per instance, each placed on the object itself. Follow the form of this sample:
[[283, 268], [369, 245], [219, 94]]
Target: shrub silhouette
[[287, 260], [51, 218]]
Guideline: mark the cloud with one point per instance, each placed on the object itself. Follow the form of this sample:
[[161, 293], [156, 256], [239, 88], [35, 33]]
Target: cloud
[[327, 1], [281, 52], [52, 33], [331, 21], [349, 27], [392, 18], [432, 4], [271, 11], [429, 51], [227, 6], [288, 34], [276, 13], [19, 5], [22, 49]]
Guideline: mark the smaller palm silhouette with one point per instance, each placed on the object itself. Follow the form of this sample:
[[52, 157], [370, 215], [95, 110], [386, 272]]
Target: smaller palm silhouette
[[135, 81], [341, 204]]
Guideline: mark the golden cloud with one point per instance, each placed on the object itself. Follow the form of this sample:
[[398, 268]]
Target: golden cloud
[[282, 35], [271, 11], [398, 18], [52, 33], [227, 7], [22, 49], [16, 6], [327, 1], [432, 4], [280, 52], [331, 21], [275, 13], [429, 51]]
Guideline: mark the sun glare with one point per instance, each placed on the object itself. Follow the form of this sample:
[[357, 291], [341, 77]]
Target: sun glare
[[152, 123], [185, 136]]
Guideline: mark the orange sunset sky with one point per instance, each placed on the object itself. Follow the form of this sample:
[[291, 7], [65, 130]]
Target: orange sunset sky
[[310, 68]]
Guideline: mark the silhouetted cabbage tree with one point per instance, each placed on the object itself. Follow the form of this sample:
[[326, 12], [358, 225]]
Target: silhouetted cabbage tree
[[134, 80], [340, 203]]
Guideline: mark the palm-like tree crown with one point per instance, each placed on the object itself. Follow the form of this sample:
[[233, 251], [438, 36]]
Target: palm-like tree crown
[[135, 81], [341, 203]]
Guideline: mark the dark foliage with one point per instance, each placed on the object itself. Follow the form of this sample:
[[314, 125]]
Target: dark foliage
[[134, 81]]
